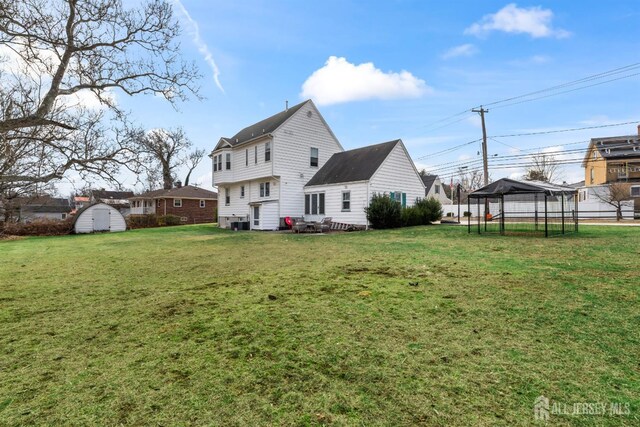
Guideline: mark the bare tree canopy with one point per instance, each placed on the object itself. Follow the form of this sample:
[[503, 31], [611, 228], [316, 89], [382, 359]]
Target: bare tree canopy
[[165, 151], [193, 160], [62, 62], [615, 195], [544, 167]]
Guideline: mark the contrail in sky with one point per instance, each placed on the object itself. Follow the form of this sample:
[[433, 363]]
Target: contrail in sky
[[200, 44]]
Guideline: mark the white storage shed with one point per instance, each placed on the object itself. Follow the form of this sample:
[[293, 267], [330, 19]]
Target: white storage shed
[[98, 217]]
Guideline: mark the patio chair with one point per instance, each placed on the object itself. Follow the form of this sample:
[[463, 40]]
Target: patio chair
[[325, 225]]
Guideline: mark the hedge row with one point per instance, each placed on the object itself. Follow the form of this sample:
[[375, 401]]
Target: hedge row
[[152, 220], [38, 227], [385, 212]]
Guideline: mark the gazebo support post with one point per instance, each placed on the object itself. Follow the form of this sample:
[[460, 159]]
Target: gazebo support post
[[546, 218], [478, 215], [468, 210], [502, 214], [576, 215], [562, 198], [535, 207]]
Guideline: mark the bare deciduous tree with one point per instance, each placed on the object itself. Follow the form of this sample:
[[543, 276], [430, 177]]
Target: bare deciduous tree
[[61, 64], [615, 195], [193, 160], [165, 152], [544, 167]]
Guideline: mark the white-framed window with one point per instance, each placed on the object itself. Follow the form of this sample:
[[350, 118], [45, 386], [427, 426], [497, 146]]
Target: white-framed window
[[64, 216], [313, 158], [267, 151], [177, 203], [314, 204], [437, 189], [203, 203], [255, 154], [265, 189], [215, 163], [242, 191], [227, 196], [635, 191], [228, 161], [346, 201]]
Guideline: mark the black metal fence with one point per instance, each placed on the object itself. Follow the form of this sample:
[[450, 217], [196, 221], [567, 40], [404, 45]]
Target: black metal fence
[[530, 214]]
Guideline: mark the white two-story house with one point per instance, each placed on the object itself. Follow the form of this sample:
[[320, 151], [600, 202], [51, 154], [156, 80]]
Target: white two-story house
[[261, 171]]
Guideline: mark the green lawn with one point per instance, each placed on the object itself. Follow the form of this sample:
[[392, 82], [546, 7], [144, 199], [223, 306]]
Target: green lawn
[[423, 326]]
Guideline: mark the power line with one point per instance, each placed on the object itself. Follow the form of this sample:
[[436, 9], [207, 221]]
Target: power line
[[564, 130], [448, 150], [571, 83], [566, 91]]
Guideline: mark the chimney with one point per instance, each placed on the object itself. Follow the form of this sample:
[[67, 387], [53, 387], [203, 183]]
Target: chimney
[[178, 184], [286, 108]]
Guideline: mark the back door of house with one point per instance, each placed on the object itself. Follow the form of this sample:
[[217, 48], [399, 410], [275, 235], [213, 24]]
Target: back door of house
[[256, 217], [101, 219]]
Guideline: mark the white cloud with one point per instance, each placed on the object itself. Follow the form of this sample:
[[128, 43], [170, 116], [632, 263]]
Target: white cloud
[[534, 21], [340, 81], [462, 50], [200, 44]]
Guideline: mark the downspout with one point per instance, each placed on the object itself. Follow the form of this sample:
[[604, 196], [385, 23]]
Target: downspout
[[368, 201]]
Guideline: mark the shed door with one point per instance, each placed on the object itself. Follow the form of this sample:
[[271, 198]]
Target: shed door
[[101, 219]]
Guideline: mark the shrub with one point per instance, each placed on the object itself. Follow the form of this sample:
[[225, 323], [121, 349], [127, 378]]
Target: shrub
[[169, 220], [411, 217], [142, 221], [383, 212], [466, 214], [430, 210], [38, 227]]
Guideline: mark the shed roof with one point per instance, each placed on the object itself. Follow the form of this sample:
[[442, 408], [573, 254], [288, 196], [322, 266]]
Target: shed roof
[[353, 165], [113, 195], [511, 186]]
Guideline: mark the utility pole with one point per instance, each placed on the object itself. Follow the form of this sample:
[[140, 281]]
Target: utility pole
[[484, 144]]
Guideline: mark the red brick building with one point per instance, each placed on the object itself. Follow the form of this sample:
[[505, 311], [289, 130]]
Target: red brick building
[[192, 204]]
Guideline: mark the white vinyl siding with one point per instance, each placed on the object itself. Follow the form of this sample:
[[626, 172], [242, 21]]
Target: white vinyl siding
[[291, 159], [333, 202], [397, 174]]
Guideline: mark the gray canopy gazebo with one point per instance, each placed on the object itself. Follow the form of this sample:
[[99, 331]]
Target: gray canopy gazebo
[[523, 207]]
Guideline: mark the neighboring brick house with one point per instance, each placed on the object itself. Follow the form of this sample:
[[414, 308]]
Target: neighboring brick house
[[192, 204]]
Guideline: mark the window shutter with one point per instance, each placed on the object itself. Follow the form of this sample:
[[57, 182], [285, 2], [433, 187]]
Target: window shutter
[[404, 200], [392, 195]]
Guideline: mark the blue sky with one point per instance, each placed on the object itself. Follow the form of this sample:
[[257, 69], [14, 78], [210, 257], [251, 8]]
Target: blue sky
[[386, 70]]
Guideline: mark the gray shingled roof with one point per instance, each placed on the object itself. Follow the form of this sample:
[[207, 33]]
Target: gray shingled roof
[[113, 195], [188, 192], [428, 181], [353, 165], [617, 147], [265, 126]]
